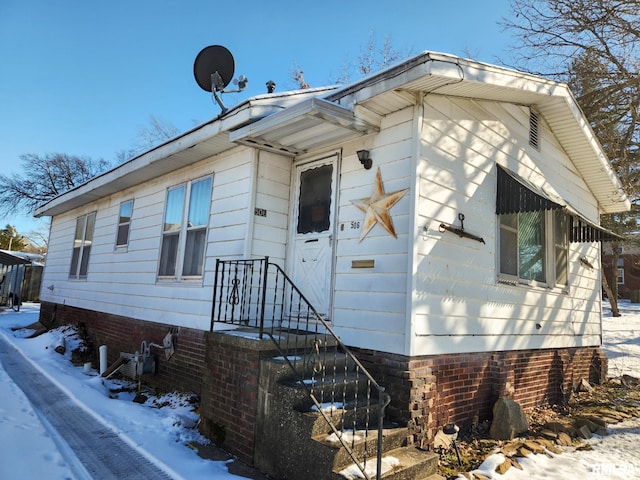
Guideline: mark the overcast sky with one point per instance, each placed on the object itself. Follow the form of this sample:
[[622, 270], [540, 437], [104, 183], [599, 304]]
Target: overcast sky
[[82, 77]]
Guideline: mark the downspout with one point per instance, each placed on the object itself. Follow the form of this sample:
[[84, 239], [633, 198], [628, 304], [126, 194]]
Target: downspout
[[414, 227], [599, 280], [248, 244], [44, 269]]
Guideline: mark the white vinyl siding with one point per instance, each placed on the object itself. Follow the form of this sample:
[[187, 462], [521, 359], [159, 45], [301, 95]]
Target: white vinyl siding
[[428, 292], [273, 186], [125, 282], [458, 306], [370, 304]]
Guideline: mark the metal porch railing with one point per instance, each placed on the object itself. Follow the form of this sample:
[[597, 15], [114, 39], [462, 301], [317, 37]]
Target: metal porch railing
[[258, 294]]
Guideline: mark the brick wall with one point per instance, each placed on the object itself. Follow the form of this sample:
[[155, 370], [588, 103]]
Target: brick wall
[[429, 392], [183, 371], [228, 386], [229, 405]]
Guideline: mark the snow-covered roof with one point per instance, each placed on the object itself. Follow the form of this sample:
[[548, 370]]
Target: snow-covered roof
[[292, 123], [11, 257]]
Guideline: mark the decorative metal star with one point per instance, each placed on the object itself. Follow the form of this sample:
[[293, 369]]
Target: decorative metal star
[[376, 207]]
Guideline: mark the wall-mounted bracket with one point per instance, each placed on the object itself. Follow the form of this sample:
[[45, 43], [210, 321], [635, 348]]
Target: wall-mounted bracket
[[460, 230], [585, 261]]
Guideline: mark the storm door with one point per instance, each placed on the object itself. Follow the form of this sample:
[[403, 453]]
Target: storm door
[[312, 256]]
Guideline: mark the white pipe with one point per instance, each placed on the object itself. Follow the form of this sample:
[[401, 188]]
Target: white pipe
[[103, 359]]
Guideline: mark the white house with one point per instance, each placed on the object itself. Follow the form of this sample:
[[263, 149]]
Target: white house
[[462, 265]]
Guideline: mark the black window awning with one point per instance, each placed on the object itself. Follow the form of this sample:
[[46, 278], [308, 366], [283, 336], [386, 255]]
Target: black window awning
[[516, 194]]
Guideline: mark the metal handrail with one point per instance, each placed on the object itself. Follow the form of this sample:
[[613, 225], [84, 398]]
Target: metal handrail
[[259, 294]]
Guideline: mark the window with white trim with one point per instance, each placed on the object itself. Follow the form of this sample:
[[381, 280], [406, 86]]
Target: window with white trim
[[620, 278], [82, 241], [534, 247], [184, 242], [124, 222]]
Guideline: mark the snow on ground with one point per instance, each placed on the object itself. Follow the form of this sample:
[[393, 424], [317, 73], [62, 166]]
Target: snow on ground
[[30, 449], [613, 456], [621, 338], [27, 449]]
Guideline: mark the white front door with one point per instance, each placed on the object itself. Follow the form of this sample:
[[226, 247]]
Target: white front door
[[313, 225]]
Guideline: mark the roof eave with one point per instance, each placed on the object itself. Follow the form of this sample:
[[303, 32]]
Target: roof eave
[[292, 123], [435, 73], [201, 142]]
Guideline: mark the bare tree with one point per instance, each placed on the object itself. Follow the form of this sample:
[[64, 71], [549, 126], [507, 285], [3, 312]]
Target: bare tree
[[298, 77], [37, 240], [155, 133], [158, 131], [43, 178], [373, 56], [594, 45]]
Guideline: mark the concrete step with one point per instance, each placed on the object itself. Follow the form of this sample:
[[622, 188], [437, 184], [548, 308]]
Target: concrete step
[[360, 415], [294, 441], [325, 363], [404, 463], [363, 444]]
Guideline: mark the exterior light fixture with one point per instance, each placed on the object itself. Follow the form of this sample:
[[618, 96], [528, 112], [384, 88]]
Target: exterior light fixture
[[451, 430], [365, 158]]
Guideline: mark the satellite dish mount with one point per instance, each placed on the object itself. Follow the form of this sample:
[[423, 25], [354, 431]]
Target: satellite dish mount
[[213, 69]]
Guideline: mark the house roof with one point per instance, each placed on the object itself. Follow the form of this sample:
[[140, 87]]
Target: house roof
[[296, 122]]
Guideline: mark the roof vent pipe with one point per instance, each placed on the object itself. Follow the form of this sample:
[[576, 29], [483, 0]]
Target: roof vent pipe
[[271, 86]]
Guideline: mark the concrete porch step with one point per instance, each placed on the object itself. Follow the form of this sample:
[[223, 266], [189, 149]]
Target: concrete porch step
[[404, 463], [347, 390], [341, 416], [362, 444], [326, 363]]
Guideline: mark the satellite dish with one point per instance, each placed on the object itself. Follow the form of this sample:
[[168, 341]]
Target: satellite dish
[[213, 68]]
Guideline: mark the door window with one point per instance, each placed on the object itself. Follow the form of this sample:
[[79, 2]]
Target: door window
[[315, 200]]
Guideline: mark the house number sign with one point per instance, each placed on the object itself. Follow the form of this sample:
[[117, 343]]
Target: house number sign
[[354, 225]]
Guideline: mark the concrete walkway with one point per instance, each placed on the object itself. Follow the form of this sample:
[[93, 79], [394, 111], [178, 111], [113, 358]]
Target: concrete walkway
[[93, 450]]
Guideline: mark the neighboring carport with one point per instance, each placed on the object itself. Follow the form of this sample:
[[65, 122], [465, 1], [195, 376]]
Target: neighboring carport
[[12, 272]]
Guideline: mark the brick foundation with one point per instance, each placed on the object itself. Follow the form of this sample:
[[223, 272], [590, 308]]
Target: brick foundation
[[426, 392], [183, 371], [429, 392], [228, 387]]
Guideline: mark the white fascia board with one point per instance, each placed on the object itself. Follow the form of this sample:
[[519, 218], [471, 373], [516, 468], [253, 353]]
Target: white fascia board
[[444, 71], [137, 164], [618, 200]]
